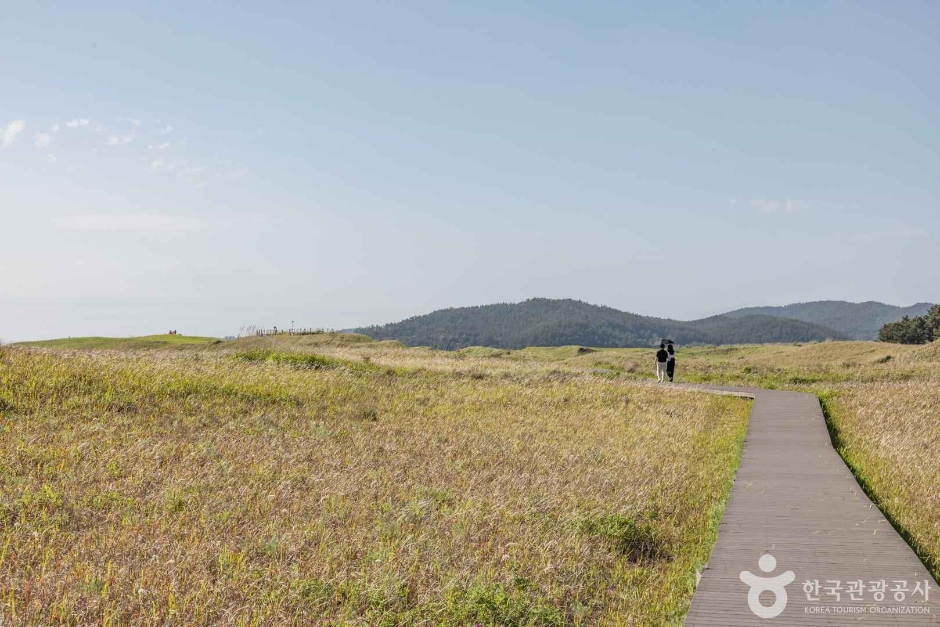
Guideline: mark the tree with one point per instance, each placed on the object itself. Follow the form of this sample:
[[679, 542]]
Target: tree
[[932, 320], [894, 331], [917, 330]]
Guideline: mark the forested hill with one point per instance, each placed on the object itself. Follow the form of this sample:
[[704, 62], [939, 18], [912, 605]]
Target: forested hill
[[860, 321], [547, 322]]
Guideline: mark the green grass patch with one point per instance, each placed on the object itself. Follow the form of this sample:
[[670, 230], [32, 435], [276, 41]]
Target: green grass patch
[[554, 353], [513, 605], [634, 537], [310, 361]]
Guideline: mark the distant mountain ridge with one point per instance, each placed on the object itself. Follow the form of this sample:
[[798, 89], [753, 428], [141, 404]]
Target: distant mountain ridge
[[859, 321], [549, 322]]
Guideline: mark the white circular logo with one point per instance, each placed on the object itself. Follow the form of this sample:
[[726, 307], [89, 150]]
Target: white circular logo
[[777, 585]]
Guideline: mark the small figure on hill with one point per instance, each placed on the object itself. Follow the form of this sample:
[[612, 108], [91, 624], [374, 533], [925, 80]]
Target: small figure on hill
[[662, 357], [671, 362]]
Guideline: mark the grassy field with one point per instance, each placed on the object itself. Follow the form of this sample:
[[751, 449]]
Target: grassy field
[[332, 480], [882, 403], [122, 343]]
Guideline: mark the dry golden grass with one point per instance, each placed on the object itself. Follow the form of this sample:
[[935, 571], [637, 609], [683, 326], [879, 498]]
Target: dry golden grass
[[882, 403], [889, 434], [369, 485]]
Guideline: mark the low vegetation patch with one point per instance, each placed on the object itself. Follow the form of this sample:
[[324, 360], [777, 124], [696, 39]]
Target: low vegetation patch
[[299, 360], [513, 604], [634, 537]]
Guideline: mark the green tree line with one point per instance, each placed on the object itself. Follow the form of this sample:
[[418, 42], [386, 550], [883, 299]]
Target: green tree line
[[916, 330]]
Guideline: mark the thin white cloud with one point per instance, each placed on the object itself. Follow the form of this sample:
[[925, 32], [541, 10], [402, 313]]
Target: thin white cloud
[[181, 168], [775, 206], [51, 158], [126, 130], [9, 133], [42, 140], [134, 223], [120, 140], [172, 165]]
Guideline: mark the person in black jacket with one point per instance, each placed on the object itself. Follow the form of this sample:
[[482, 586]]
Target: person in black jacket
[[662, 357], [671, 362]]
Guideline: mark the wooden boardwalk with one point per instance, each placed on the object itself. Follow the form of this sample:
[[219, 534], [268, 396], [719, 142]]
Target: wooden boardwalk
[[794, 498]]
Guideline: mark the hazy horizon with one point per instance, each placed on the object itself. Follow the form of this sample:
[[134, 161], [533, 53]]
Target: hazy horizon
[[178, 166], [114, 317]]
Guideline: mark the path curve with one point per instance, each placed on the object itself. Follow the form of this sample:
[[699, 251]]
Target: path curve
[[794, 498]]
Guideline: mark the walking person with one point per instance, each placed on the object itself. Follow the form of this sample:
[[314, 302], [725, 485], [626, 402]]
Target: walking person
[[671, 362], [662, 358]]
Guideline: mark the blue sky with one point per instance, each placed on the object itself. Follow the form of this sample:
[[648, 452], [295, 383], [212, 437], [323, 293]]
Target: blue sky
[[203, 166]]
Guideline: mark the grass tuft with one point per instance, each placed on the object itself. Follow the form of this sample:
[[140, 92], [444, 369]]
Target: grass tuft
[[514, 605], [633, 537]]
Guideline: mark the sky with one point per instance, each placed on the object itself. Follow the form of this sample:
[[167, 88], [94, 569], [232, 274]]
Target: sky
[[204, 166]]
